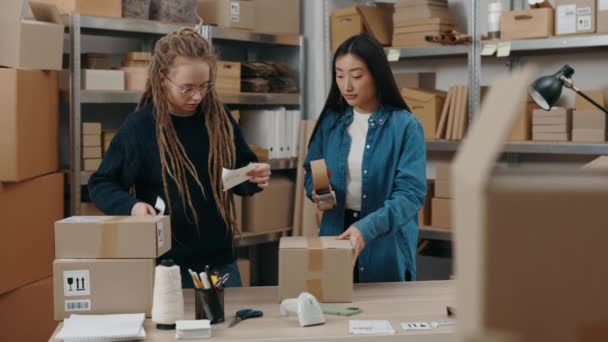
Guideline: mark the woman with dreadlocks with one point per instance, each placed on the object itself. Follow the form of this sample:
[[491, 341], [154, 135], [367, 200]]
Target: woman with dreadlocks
[[175, 145]]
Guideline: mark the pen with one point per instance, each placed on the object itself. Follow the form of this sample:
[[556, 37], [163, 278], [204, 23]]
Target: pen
[[195, 279], [208, 274], [205, 280]]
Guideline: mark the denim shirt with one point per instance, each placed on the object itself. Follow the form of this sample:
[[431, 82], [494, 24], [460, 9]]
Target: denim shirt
[[392, 193]]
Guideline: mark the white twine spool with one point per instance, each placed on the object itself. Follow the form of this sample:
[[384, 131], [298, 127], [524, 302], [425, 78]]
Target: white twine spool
[[168, 302]]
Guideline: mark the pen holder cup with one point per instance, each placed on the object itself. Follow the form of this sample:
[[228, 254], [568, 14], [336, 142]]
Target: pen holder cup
[[209, 304]]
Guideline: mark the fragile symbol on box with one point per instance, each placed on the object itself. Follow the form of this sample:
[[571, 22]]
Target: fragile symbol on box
[[235, 11], [76, 283], [415, 326], [584, 23]]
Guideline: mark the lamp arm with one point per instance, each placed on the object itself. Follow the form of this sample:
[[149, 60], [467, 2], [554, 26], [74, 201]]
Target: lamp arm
[[568, 83]]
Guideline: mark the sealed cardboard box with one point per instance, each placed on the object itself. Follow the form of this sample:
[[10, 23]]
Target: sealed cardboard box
[[103, 79], [91, 128], [423, 80], [588, 135], [350, 21], [560, 128], [28, 312], [228, 77], [228, 13], [91, 140], [94, 8], [102, 286], [31, 234], [91, 164], [267, 20], [277, 199], [91, 152], [441, 212], [135, 78], [602, 16], [19, 137], [551, 137], [574, 16], [582, 104], [321, 266], [245, 270], [30, 44], [426, 104], [532, 23], [85, 237], [586, 119]]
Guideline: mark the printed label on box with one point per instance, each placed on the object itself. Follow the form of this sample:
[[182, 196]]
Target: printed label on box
[[583, 11], [566, 19], [76, 283], [584, 23], [415, 326], [160, 234], [78, 305], [235, 11]]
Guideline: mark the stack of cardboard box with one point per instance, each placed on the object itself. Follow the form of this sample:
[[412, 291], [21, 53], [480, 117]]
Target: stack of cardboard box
[[588, 122], [553, 125], [522, 128], [415, 19], [31, 188], [135, 66], [91, 146], [278, 199], [350, 21], [94, 256], [442, 202]]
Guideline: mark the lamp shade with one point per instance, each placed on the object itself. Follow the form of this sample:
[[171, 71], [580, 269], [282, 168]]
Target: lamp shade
[[546, 90]]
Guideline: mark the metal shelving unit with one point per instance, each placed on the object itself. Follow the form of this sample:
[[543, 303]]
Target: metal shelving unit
[[558, 44], [431, 233], [530, 147], [430, 51], [148, 31]]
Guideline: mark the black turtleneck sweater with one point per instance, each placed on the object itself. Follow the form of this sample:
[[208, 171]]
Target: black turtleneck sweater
[[133, 160]]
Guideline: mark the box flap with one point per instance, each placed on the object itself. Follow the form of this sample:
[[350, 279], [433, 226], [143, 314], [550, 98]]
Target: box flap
[[378, 22], [422, 95], [46, 12], [471, 173]]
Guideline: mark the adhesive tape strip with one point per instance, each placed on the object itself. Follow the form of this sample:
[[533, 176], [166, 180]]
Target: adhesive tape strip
[[320, 181]]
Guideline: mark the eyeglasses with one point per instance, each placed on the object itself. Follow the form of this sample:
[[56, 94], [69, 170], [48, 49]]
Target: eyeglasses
[[192, 91]]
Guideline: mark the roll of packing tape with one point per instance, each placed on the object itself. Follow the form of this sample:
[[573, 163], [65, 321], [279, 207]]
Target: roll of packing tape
[[321, 185]]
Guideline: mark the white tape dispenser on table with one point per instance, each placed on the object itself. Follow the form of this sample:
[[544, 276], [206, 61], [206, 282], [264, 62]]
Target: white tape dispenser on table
[[307, 307]]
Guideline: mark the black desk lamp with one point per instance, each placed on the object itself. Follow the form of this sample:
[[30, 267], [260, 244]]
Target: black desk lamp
[[546, 90]]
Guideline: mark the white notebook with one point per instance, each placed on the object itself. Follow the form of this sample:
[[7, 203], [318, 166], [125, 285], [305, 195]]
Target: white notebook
[[102, 328]]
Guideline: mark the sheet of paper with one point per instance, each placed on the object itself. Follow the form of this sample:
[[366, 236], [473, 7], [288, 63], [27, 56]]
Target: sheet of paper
[[232, 178], [375, 327], [160, 206], [504, 49], [393, 55], [488, 49]]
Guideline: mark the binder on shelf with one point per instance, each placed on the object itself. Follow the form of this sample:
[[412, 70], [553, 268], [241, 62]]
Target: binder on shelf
[[275, 130]]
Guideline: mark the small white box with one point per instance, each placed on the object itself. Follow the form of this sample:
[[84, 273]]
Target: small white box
[[103, 79]]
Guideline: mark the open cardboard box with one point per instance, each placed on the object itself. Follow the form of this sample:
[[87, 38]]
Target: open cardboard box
[[30, 43], [530, 243]]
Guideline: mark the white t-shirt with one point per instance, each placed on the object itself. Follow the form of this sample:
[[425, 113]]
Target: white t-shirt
[[358, 134]]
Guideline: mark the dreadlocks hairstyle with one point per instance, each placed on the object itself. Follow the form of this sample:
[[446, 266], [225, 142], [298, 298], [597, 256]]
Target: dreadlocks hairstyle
[[174, 161]]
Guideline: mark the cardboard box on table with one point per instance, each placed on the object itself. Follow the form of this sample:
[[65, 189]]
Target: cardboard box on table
[[526, 240]]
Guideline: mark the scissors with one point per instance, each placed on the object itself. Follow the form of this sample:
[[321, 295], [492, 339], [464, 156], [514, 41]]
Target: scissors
[[244, 314]]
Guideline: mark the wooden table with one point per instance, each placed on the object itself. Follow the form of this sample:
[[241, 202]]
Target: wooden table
[[396, 302]]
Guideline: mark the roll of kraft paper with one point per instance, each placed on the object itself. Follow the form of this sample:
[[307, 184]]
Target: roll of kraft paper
[[321, 186]]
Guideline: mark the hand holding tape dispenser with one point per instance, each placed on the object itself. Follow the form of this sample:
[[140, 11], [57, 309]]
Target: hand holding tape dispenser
[[307, 307], [321, 185]]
